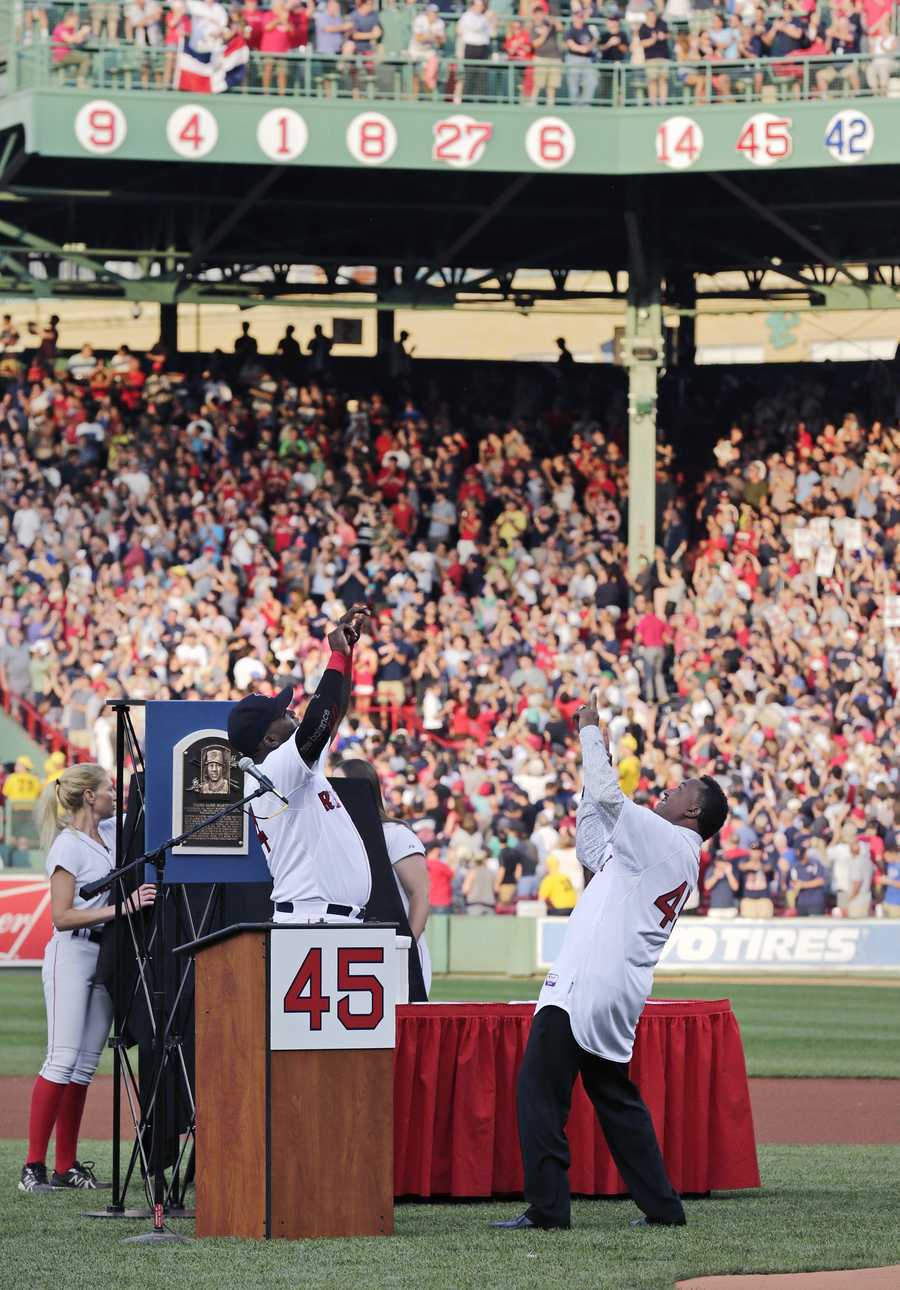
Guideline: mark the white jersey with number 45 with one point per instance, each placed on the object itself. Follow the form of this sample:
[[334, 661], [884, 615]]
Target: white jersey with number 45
[[312, 846], [644, 870]]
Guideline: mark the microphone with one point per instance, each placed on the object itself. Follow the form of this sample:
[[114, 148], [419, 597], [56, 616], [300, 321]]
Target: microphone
[[246, 765]]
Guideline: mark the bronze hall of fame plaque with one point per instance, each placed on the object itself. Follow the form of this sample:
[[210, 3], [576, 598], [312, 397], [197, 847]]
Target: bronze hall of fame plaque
[[205, 779]]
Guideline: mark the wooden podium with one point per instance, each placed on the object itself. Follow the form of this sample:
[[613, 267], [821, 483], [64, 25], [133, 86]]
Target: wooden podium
[[294, 1083]]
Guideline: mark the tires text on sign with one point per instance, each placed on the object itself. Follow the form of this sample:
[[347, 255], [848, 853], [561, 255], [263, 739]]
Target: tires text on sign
[[765, 139], [371, 138], [282, 134], [550, 142], [100, 127], [331, 988], [679, 143], [849, 136], [460, 140], [192, 131]]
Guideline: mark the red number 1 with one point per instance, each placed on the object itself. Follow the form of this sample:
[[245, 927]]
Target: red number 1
[[668, 903]]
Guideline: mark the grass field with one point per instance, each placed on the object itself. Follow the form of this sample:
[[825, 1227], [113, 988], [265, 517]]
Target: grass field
[[798, 1029], [817, 1209]]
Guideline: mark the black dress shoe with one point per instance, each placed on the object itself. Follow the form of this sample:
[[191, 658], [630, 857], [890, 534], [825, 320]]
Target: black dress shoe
[[525, 1224], [656, 1222]]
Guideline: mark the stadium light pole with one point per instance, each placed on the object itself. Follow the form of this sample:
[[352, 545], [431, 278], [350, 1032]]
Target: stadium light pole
[[642, 352]]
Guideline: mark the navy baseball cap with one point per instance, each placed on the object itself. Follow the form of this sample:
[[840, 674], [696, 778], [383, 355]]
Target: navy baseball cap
[[249, 720]]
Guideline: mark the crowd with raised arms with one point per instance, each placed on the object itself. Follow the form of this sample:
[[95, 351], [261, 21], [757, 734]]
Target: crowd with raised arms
[[176, 535]]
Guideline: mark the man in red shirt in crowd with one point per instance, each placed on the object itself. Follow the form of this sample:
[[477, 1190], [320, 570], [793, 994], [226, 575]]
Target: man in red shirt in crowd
[[651, 634], [440, 878]]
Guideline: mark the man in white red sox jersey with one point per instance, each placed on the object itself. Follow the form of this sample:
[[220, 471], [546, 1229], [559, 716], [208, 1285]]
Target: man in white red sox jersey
[[644, 864], [317, 858]]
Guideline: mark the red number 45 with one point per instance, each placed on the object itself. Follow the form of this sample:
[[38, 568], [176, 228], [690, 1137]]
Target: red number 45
[[668, 903], [304, 994]]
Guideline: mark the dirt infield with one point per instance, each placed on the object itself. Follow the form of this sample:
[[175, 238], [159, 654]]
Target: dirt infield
[[784, 1110], [826, 1110], [857, 1279]]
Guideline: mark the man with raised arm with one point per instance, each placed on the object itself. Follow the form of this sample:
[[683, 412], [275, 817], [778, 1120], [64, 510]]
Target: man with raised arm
[[644, 864], [318, 861]]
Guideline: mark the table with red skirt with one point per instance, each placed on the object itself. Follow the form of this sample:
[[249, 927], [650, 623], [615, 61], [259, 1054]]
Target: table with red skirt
[[455, 1074]]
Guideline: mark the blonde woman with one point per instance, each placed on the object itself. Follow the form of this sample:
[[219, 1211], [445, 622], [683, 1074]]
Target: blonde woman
[[75, 816]]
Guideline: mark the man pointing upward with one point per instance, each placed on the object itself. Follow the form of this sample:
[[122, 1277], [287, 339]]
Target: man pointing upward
[[644, 864]]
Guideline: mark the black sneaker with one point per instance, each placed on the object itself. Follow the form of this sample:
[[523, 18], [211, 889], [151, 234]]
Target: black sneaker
[[79, 1176], [34, 1178]]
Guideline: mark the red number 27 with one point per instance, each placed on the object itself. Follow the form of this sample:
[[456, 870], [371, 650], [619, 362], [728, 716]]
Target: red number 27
[[668, 903]]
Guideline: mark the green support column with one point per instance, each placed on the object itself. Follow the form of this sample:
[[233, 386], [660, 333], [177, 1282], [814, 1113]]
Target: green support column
[[168, 327], [384, 281], [643, 354]]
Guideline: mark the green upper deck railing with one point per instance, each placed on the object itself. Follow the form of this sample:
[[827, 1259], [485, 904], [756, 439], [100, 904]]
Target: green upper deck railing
[[304, 74]]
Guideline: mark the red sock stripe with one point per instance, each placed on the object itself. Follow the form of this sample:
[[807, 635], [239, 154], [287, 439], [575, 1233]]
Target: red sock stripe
[[45, 1103], [68, 1124]]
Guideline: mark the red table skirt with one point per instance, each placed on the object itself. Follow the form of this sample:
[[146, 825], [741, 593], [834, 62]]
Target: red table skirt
[[455, 1101]]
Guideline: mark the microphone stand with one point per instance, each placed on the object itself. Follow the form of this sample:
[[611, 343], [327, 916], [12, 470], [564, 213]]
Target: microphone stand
[[157, 857]]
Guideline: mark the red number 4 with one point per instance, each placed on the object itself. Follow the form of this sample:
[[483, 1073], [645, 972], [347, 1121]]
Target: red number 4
[[315, 1003], [668, 903]]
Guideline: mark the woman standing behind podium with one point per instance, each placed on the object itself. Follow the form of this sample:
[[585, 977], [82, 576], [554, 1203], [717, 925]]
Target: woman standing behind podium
[[76, 817], [407, 856]]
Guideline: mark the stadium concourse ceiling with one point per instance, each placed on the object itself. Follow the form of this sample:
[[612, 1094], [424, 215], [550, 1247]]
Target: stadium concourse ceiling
[[201, 241]]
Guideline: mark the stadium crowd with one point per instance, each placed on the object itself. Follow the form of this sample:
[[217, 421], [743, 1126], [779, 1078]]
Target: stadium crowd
[[689, 49], [192, 536]]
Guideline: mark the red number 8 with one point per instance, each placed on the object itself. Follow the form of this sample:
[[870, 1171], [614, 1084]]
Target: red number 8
[[102, 125], [372, 140]]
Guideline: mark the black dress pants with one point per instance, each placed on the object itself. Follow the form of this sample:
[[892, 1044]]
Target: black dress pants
[[552, 1062]]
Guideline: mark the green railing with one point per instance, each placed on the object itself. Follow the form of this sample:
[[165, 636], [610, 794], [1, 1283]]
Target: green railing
[[306, 75]]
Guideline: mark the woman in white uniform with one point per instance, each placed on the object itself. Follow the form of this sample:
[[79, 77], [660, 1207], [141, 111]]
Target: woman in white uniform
[[77, 824], [407, 856]]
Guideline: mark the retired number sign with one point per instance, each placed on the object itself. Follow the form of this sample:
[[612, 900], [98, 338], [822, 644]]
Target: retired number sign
[[331, 988]]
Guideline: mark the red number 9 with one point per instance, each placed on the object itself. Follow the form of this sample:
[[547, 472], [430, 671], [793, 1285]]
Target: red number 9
[[102, 125]]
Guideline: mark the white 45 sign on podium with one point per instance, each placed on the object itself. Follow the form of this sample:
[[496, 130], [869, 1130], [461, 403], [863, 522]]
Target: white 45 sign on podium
[[331, 987]]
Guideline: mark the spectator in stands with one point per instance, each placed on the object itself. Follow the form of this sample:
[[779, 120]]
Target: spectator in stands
[[22, 785], [35, 9], [612, 48], [68, 37], [209, 22], [440, 879], [319, 350], [478, 888], [756, 900], [852, 879], [275, 42], [557, 891], [653, 37], [426, 42], [808, 885], [544, 34], [474, 35], [884, 49], [840, 40], [888, 883], [9, 335], [365, 38], [519, 49], [15, 662], [581, 71], [722, 889], [104, 11]]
